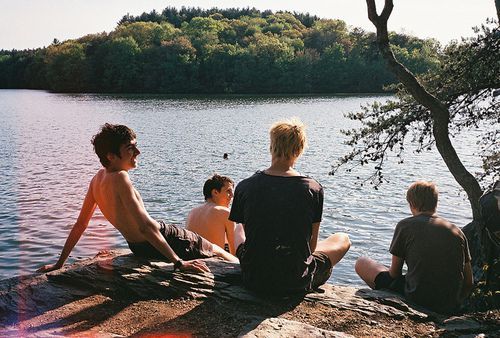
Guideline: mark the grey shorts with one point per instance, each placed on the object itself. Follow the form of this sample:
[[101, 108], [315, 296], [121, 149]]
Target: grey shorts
[[323, 269]]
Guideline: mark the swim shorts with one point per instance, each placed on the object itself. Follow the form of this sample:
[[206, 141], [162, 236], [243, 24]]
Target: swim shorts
[[186, 244], [385, 281], [323, 269], [319, 275]]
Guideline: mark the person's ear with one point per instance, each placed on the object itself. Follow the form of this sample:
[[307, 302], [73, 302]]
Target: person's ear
[[110, 156], [214, 192]]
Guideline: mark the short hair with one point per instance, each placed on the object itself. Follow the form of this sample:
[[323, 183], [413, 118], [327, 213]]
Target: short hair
[[109, 139], [423, 196], [288, 138], [215, 182]]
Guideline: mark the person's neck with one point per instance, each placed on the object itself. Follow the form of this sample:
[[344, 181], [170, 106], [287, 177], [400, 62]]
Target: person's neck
[[424, 213], [282, 167], [113, 169], [212, 202]]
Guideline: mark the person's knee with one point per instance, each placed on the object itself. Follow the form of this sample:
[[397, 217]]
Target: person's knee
[[343, 240], [360, 264]]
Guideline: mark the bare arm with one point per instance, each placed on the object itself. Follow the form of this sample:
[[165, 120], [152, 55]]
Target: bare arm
[[230, 235], [150, 228], [396, 267], [314, 236], [468, 281], [79, 227]]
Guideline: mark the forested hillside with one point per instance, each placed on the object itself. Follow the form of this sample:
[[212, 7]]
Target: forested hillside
[[217, 51]]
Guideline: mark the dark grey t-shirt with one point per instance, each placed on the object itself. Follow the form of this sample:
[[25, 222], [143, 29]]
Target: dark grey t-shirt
[[278, 213], [435, 252]]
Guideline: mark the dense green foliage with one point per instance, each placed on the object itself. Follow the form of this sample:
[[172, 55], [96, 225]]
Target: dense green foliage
[[217, 51]]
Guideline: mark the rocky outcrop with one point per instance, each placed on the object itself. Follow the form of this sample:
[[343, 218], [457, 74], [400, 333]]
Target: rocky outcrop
[[277, 327], [60, 299]]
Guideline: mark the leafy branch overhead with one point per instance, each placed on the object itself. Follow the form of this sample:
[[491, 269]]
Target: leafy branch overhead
[[467, 81]]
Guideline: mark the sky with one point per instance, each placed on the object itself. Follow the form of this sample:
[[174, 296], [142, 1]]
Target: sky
[[35, 23]]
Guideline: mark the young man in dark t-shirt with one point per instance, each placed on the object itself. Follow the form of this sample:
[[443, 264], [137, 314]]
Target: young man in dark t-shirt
[[435, 251], [280, 211]]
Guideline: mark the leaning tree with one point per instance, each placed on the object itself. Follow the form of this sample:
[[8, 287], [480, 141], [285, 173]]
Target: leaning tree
[[461, 95]]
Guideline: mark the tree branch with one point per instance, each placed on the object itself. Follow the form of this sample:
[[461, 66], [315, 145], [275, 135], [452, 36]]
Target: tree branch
[[497, 5], [439, 112]]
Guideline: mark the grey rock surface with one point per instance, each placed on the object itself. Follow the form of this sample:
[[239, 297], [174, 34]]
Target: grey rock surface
[[279, 327], [120, 275], [118, 272]]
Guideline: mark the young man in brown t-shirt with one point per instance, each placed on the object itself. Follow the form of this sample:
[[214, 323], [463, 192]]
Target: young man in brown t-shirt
[[435, 251]]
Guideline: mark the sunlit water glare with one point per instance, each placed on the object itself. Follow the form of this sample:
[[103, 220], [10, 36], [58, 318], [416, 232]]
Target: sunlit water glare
[[47, 161]]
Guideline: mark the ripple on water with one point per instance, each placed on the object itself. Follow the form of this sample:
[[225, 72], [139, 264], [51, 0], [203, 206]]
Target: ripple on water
[[182, 142]]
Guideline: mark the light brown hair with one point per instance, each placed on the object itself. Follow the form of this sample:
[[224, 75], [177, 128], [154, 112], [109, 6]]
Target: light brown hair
[[422, 196], [288, 138]]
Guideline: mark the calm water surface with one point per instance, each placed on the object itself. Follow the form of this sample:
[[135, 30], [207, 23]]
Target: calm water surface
[[47, 161]]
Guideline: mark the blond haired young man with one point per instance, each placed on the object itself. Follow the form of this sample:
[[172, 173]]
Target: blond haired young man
[[280, 211], [435, 251]]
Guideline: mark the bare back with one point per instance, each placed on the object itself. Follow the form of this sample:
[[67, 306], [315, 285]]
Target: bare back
[[211, 222], [107, 189]]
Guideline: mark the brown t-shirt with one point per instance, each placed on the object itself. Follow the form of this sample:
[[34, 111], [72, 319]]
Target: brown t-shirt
[[435, 252]]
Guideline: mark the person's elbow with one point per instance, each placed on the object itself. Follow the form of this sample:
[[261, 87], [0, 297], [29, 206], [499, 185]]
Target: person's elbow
[[395, 272], [396, 268], [147, 227]]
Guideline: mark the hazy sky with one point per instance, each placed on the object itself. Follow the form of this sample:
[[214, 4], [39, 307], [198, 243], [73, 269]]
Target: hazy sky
[[35, 23]]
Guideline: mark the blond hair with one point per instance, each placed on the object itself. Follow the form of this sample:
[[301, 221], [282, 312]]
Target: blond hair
[[423, 196], [288, 138]]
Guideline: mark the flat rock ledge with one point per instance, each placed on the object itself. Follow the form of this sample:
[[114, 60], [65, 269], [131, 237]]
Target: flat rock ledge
[[116, 294]]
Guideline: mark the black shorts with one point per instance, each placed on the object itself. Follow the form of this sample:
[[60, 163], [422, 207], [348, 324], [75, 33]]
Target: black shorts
[[186, 244], [385, 281], [321, 273]]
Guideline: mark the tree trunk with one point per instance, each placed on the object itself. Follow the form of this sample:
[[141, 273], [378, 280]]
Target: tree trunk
[[439, 112], [484, 253], [497, 5]]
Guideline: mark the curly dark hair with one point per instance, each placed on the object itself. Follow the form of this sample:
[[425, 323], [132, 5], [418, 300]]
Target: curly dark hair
[[215, 182], [109, 140]]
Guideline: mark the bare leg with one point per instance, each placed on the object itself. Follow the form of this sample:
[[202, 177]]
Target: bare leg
[[239, 235], [335, 247], [368, 269], [219, 252]]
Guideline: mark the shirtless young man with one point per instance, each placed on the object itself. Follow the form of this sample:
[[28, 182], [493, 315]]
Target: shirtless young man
[[211, 219], [112, 190]]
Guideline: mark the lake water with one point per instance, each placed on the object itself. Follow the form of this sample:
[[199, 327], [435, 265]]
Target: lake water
[[47, 161]]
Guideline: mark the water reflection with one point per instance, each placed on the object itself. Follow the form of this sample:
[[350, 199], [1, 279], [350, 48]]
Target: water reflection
[[47, 161]]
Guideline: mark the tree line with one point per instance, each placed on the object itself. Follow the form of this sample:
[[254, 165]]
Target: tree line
[[217, 51]]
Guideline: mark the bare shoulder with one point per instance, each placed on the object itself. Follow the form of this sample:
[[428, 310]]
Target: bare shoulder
[[119, 177], [222, 210], [196, 210], [119, 180], [97, 178]]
